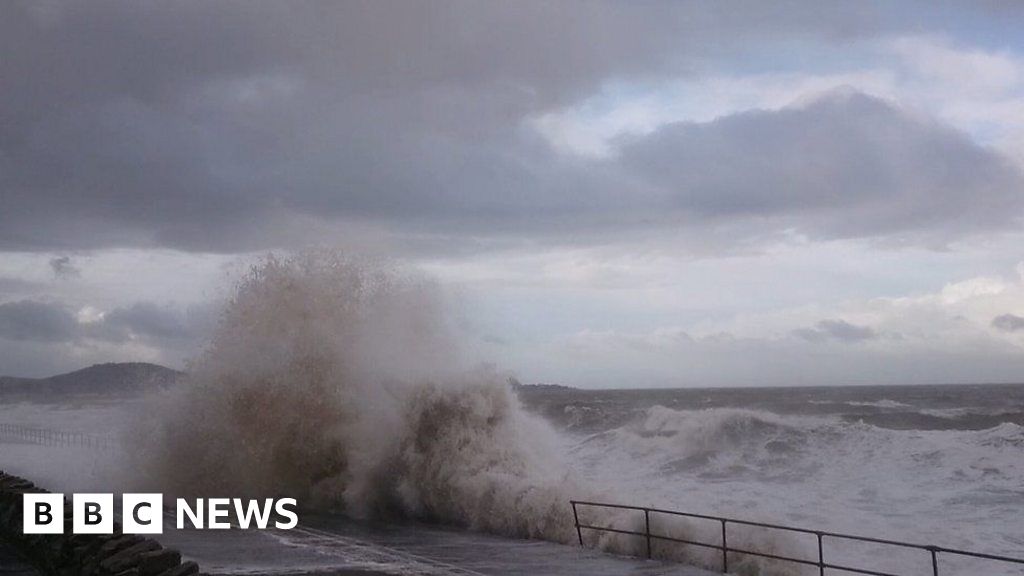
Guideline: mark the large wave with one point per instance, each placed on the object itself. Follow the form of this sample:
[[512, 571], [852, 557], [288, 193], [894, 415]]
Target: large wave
[[718, 443], [336, 381], [756, 446], [817, 472]]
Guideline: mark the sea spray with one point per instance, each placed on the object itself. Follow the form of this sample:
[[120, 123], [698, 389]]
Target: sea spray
[[337, 382], [470, 455]]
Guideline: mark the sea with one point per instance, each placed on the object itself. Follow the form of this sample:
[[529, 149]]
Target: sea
[[935, 465]]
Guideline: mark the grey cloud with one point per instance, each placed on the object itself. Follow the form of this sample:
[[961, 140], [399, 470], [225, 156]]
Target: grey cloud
[[1008, 322], [495, 340], [191, 124], [165, 326], [231, 126], [42, 338], [63, 267], [15, 286], [150, 320], [839, 330], [847, 165], [37, 321]]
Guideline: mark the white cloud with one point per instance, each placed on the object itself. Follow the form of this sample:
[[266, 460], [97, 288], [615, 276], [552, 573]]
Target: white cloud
[[972, 289], [981, 92], [976, 71]]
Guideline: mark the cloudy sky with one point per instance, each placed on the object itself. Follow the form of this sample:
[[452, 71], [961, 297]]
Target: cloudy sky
[[617, 194]]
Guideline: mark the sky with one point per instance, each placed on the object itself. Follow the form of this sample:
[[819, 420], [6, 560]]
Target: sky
[[615, 194]]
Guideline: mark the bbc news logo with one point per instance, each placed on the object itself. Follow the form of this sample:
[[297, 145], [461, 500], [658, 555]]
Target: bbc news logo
[[144, 513]]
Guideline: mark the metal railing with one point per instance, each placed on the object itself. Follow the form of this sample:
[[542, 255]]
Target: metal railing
[[725, 549], [49, 437]]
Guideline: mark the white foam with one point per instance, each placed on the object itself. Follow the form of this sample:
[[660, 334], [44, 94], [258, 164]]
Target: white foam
[[953, 488]]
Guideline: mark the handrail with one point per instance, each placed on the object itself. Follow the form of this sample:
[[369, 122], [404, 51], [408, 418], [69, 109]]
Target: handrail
[[724, 547], [50, 437]]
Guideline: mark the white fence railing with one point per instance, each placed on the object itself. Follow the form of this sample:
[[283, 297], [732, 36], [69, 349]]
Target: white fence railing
[[50, 437]]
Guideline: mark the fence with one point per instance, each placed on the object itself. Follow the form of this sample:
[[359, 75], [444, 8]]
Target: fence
[[725, 549], [48, 437]]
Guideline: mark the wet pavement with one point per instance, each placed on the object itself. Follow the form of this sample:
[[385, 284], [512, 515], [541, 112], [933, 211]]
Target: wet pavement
[[329, 545]]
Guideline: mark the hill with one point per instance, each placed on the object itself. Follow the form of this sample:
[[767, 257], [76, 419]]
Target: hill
[[112, 379]]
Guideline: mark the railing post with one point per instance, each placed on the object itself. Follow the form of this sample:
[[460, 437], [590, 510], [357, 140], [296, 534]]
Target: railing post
[[821, 556], [935, 561], [576, 520], [647, 530], [725, 550]]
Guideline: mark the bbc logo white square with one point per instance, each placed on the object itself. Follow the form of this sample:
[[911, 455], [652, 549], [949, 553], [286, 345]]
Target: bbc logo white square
[[43, 513], [142, 513], [93, 514]]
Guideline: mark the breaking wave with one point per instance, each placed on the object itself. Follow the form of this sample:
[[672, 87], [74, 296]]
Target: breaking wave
[[815, 472], [336, 382], [738, 444]]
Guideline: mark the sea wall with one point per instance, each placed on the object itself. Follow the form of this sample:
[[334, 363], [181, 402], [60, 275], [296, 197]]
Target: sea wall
[[69, 554]]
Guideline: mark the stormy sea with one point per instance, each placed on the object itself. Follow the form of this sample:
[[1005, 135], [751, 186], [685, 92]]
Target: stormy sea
[[940, 465]]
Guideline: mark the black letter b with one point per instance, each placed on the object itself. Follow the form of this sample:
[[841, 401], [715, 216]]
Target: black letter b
[[43, 511], [92, 514]]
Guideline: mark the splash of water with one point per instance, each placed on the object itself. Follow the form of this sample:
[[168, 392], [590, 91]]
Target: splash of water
[[336, 382]]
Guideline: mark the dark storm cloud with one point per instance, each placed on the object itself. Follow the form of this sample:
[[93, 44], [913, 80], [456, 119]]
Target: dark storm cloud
[[233, 125], [1008, 322], [847, 165], [839, 330]]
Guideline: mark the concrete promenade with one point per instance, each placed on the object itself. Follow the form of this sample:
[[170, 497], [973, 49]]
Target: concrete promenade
[[330, 545]]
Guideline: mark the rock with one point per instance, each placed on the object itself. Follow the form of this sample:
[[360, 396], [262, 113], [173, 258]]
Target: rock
[[111, 547], [9, 516], [184, 569], [90, 567], [129, 557], [70, 554], [13, 482], [83, 551], [158, 561]]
